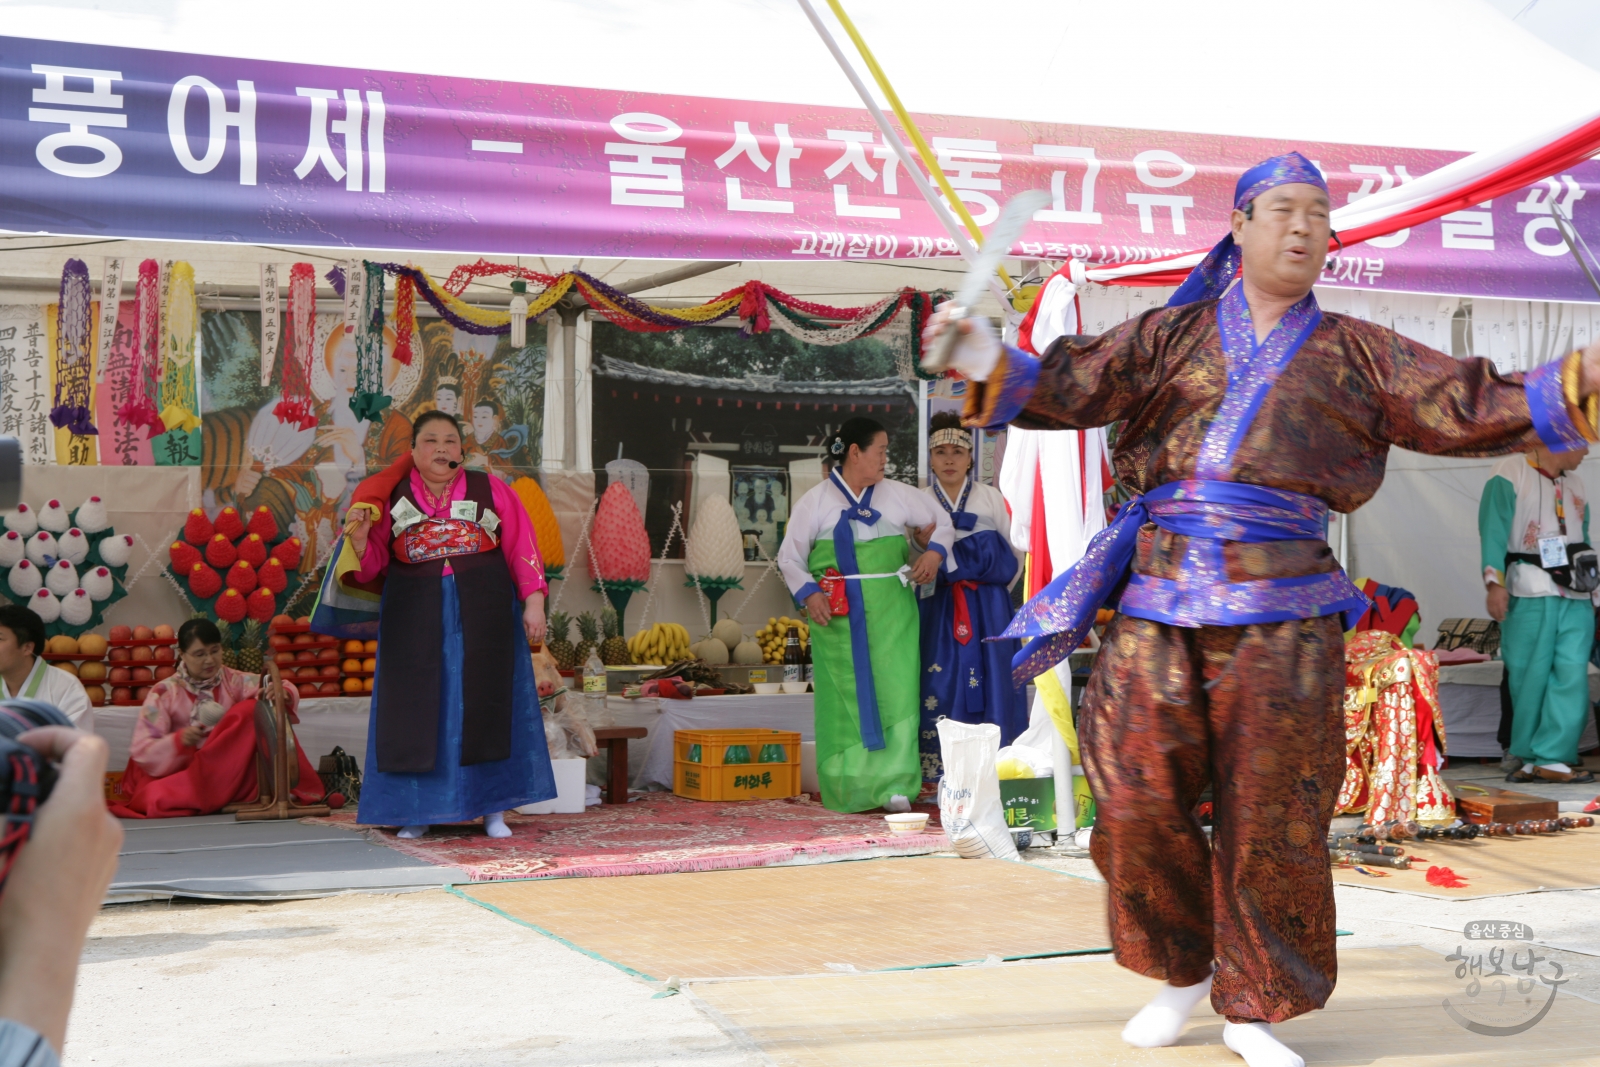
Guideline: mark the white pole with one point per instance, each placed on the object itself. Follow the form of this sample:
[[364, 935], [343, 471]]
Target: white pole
[[892, 139], [922, 432]]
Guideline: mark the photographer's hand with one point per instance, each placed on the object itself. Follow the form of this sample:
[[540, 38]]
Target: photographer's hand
[[57, 884]]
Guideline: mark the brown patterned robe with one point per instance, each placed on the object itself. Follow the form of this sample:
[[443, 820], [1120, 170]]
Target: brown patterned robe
[[1253, 711]]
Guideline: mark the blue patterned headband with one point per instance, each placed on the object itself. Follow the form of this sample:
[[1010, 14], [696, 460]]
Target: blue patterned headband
[[1212, 276]]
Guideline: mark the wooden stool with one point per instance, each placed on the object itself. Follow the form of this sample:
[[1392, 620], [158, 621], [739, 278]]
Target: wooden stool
[[614, 741]]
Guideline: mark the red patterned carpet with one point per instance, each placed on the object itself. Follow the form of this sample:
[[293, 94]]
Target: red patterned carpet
[[658, 834]]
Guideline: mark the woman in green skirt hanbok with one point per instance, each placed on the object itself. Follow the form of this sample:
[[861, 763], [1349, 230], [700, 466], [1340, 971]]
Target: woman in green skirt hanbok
[[855, 549]]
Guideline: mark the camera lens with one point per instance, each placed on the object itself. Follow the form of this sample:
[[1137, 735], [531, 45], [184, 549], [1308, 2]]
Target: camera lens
[[19, 716]]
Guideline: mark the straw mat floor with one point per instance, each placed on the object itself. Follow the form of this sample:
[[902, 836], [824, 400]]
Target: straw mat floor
[[809, 920], [1497, 866], [1387, 1012]]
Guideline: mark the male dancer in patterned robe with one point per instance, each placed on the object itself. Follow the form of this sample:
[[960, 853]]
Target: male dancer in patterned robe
[[1245, 419]]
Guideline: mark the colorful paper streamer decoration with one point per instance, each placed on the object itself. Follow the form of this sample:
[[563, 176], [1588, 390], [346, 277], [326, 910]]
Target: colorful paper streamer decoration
[[178, 396], [369, 400], [140, 410], [405, 318], [297, 407], [74, 352]]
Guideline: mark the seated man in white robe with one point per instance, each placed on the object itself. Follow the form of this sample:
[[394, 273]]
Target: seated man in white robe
[[24, 673]]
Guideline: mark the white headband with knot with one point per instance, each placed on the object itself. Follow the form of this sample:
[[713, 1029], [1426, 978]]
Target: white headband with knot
[[950, 435]]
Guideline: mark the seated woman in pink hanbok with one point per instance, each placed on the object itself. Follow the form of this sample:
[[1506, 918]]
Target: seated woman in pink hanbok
[[180, 765]]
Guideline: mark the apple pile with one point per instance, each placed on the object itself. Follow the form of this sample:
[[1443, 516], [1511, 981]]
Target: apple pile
[[135, 667], [234, 568], [308, 661]]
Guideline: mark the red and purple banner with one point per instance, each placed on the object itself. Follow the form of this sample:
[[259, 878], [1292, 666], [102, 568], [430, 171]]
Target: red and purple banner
[[134, 143]]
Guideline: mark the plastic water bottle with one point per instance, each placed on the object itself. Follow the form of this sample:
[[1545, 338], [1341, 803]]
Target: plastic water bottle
[[594, 691]]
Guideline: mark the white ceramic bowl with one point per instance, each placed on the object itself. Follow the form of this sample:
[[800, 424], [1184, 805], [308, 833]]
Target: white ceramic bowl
[[768, 689], [795, 687], [906, 823]]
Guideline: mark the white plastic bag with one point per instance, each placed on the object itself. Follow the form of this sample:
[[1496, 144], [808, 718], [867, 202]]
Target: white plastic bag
[[969, 792]]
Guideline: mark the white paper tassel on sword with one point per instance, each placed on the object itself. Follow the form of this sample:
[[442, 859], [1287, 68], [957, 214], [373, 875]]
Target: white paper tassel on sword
[[110, 302], [271, 323]]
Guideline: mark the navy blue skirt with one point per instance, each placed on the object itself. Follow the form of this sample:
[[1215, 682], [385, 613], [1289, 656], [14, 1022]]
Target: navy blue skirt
[[451, 792]]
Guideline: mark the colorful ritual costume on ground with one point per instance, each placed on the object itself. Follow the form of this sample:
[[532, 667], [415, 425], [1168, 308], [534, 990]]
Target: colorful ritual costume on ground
[[166, 778], [1394, 732], [864, 666], [456, 729], [964, 676], [1225, 666], [1548, 631]]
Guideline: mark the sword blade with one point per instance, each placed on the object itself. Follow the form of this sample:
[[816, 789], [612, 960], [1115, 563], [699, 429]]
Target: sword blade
[[1014, 218]]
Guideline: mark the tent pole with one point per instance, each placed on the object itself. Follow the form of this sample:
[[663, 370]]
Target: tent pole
[[569, 385]]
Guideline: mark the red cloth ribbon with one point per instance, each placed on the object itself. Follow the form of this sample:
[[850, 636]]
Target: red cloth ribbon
[[962, 623], [1444, 876]]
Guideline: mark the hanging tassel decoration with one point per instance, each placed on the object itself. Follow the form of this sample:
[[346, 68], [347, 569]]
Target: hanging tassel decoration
[[369, 399], [405, 318], [140, 410], [178, 377], [73, 352], [519, 313], [296, 407]]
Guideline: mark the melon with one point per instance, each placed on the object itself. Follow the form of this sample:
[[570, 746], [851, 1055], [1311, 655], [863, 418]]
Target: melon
[[748, 653], [729, 632], [711, 650]]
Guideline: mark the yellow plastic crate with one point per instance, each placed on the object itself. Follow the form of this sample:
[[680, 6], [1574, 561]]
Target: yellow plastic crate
[[736, 764]]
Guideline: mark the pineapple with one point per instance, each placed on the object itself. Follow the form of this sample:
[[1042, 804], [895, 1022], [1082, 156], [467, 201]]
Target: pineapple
[[230, 647], [588, 637], [559, 641], [249, 657], [614, 650]]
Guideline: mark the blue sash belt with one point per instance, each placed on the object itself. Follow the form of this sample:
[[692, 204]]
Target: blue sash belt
[[1057, 619]]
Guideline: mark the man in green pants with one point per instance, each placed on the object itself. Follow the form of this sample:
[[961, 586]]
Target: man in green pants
[[1533, 507]]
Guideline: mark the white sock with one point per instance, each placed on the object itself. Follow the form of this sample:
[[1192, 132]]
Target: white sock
[[896, 804], [1256, 1043], [1559, 768], [409, 832], [1161, 1021], [494, 824]]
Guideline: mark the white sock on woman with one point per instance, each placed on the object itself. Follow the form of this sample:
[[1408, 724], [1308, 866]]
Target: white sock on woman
[[409, 832], [494, 824], [1256, 1043], [1161, 1021], [897, 803]]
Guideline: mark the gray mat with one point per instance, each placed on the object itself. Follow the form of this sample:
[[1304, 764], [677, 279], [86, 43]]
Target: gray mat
[[216, 857]]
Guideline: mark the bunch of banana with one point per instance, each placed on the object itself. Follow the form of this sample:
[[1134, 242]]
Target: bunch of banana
[[663, 643], [770, 637]]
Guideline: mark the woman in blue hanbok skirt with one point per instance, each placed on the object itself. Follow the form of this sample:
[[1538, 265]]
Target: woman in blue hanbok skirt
[[963, 676]]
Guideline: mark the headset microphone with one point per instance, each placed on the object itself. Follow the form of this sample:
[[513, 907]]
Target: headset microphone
[[454, 464]]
